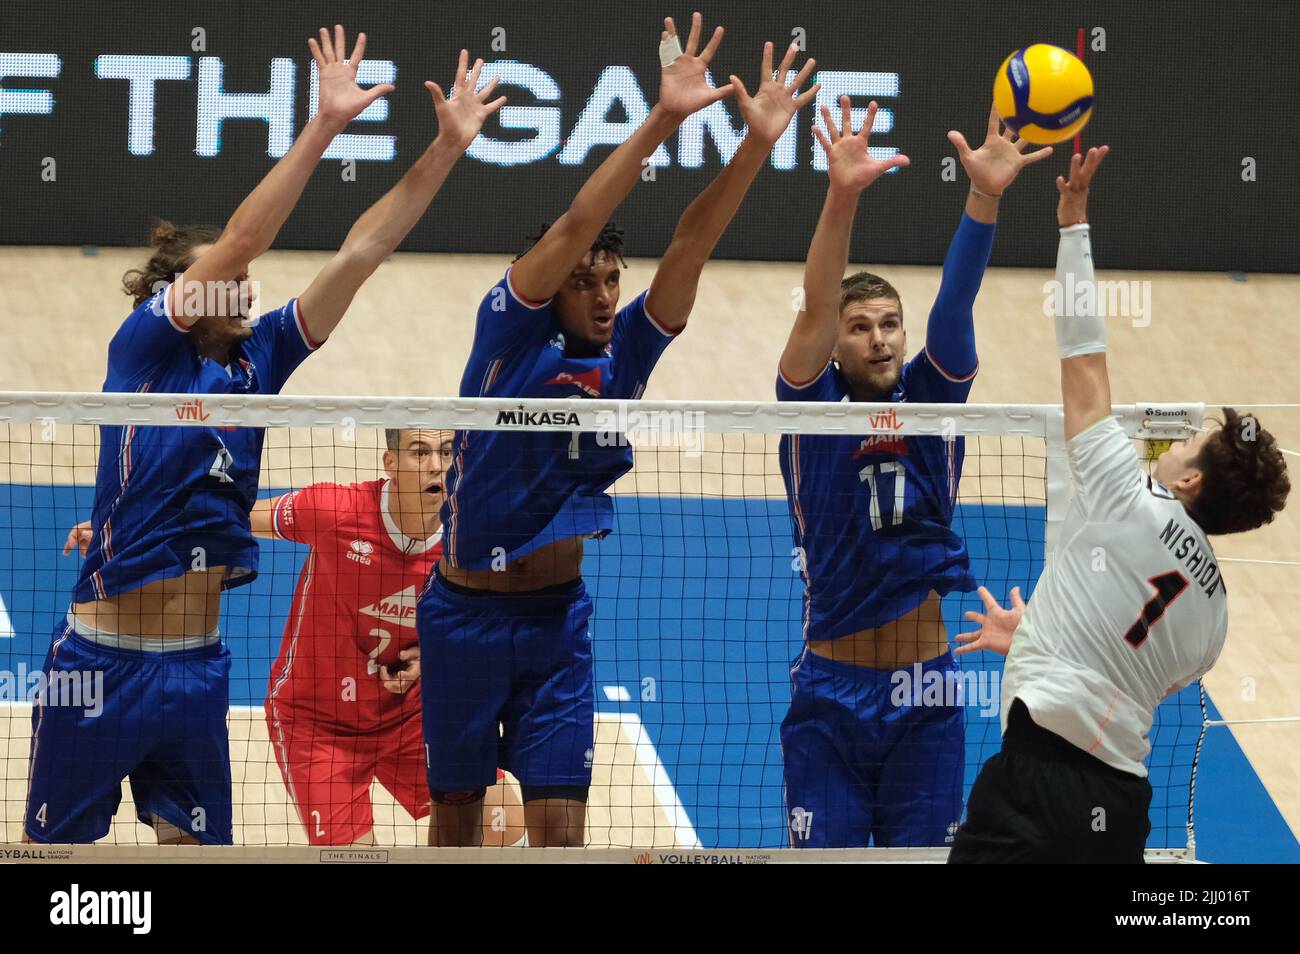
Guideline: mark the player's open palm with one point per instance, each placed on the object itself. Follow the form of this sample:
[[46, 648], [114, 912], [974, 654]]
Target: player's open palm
[[849, 162], [994, 166], [767, 113], [462, 114], [1072, 209], [683, 87], [997, 625], [341, 99]]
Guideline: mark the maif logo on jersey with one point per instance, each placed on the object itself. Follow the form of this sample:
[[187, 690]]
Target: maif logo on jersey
[[586, 381], [398, 608], [360, 551]]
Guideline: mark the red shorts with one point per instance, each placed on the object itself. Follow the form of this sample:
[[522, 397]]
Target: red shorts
[[328, 774]]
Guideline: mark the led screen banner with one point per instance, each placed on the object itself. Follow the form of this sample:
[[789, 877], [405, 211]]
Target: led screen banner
[[113, 114]]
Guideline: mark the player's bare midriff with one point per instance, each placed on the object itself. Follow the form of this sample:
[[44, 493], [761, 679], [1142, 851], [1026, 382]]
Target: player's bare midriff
[[188, 605], [560, 562], [916, 637]]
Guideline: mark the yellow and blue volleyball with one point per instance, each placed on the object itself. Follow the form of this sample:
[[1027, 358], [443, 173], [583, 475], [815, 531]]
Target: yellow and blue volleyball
[[1043, 93]]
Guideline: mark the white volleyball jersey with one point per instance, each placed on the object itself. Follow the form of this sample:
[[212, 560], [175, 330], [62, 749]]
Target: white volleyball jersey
[[1130, 605]]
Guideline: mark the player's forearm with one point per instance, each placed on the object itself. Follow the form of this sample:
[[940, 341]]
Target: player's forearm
[[1080, 333], [382, 227], [705, 219], [259, 217], [950, 332], [613, 180], [676, 281], [812, 339], [982, 208], [828, 253]]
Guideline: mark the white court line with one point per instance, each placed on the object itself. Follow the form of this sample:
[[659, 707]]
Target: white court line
[[665, 792], [6, 624]]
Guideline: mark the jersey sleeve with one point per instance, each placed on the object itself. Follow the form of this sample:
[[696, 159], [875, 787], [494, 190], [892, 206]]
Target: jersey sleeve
[[950, 331], [309, 515], [506, 321], [821, 388], [279, 344], [924, 382], [148, 337], [638, 341], [1107, 477]]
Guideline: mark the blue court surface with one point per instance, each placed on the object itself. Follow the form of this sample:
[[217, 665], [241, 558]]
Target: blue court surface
[[697, 619]]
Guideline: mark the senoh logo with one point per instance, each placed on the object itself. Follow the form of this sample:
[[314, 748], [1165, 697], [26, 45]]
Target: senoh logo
[[78, 907]]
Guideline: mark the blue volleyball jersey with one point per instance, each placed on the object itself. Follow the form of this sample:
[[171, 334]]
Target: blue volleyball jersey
[[511, 492], [172, 499], [872, 515]]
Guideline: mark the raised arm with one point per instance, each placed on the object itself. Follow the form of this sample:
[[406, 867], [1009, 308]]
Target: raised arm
[[767, 114], [682, 90], [1080, 330], [851, 169], [992, 168], [257, 221], [386, 223]]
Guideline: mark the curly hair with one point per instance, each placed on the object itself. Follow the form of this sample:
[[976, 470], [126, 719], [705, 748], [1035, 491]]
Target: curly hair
[[1244, 478], [864, 286], [173, 247], [609, 241]]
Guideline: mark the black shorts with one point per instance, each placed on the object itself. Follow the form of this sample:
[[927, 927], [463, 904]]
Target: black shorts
[[1042, 800]]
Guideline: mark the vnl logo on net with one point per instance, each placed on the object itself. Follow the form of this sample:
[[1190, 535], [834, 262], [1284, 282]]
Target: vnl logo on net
[[73, 689], [630, 426], [1102, 299]]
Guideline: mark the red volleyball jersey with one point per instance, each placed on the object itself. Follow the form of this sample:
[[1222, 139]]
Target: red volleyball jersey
[[353, 610]]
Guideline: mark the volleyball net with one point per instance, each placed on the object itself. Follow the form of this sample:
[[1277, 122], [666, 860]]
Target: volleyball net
[[697, 599]]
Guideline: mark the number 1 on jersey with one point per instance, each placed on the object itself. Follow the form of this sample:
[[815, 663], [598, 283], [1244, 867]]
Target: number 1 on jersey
[[868, 474], [1169, 586]]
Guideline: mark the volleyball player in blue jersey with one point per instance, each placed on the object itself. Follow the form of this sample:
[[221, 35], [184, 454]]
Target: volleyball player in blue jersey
[[872, 519], [170, 525], [505, 652]]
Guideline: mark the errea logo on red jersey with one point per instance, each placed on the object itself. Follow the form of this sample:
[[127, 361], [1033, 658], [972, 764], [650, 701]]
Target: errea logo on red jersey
[[360, 551]]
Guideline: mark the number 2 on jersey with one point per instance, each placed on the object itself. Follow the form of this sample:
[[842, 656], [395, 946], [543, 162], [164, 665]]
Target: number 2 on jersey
[[1169, 586], [868, 474], [372, 659]]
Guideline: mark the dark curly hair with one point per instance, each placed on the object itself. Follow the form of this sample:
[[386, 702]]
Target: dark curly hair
[[609, 241], [173, 247], [864, 286], [1244, 479]]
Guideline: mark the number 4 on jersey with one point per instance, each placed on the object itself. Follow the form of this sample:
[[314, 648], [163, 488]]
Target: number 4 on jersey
[[1169, 586]]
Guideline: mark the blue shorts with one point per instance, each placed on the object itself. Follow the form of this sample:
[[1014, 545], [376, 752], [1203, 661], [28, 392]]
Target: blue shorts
[[866, 758], [158, 718], [506, 680]]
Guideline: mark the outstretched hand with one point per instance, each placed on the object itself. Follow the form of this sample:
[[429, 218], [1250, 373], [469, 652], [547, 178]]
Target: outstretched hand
[[341, 99], [994, 166], [683, 88], [997, 625], [850, 164], [1072, 209], [768, 112], [462, 114]]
